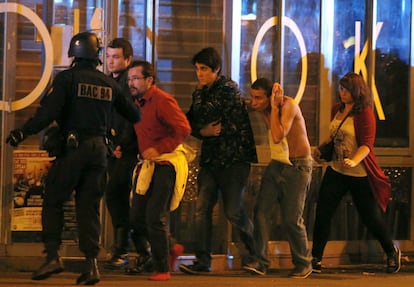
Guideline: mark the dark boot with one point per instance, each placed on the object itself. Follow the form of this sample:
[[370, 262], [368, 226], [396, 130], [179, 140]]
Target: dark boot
[[119, 259], [91, 276], [143, 264], [51, 266]]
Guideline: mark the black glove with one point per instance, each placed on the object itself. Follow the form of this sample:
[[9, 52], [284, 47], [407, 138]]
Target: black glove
[[15, 137]]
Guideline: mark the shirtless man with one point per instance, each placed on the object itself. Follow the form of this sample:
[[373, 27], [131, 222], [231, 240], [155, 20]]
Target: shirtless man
[[286, 178]]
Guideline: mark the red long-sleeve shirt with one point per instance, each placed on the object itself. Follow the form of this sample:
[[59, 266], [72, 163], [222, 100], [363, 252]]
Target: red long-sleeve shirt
[[163, 125]]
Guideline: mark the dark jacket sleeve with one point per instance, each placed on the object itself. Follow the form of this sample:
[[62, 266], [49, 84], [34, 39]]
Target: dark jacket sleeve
[[125, 107], [51, 105], [195, 128]]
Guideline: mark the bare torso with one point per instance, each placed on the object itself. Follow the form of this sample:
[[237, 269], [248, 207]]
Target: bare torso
[[297, 137], [296, 134]]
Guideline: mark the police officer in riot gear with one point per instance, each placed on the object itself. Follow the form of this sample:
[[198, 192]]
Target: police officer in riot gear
[[80, 101]]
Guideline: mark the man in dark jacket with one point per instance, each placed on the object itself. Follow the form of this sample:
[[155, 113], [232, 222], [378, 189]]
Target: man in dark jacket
[[119, 55], [219, 118]]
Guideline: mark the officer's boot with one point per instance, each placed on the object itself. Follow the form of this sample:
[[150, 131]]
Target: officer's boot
[[53, 264], [91, 275], [50, 267]]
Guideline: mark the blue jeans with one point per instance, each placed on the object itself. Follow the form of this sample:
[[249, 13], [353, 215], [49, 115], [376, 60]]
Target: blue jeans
[[231, 182], [289, 186]]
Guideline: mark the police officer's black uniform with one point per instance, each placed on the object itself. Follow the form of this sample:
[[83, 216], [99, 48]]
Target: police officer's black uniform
[[80, 101], [119, 183]]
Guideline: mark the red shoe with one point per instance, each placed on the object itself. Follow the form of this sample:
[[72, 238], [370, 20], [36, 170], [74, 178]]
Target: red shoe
[[176, 251], [160, 276]]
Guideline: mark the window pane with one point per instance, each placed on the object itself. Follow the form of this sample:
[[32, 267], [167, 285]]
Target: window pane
[[2, 28], [260, 50], [300, 56], [258, 18], [390, 84], [392, 71], [349, 29], [132, 25], [28, 53], [183, 28]]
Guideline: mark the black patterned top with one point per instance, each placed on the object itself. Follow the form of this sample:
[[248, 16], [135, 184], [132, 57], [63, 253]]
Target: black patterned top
[[222, 101]]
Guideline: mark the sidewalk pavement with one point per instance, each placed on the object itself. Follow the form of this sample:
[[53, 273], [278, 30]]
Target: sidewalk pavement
[[342, 276]]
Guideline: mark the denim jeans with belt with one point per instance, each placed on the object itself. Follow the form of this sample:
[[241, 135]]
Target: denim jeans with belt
[[289, 186], [231, 182]]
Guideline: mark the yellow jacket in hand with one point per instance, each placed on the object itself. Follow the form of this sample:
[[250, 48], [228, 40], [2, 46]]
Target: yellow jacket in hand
[[179, 158]]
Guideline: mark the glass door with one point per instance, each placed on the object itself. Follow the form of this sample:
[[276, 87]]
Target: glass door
[[307, 46], [34, 44]]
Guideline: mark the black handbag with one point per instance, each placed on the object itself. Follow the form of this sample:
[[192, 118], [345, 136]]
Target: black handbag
[[326, 150]]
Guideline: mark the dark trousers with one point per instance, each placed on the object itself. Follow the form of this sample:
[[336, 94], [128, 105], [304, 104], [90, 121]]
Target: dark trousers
[[117, 198], [334, 186], [149, 216], [81, 170], [231, 182]]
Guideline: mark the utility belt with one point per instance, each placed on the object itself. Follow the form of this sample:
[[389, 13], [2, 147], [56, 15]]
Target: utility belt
[[55, 142], [74, 138]]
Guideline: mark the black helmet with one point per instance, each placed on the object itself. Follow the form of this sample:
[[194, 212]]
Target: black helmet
[[84, 45]]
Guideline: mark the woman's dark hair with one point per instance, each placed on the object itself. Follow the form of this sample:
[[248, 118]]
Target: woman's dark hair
[[359, 90], [209, 57], [263, 84]]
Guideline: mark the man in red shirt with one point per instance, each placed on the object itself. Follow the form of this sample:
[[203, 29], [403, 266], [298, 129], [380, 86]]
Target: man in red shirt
[[163, 128]]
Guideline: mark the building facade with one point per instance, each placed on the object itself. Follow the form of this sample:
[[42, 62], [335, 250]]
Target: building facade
[[307, 45]]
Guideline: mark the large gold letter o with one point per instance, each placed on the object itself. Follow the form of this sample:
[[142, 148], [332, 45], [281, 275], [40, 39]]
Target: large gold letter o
[[48, 66], [286, 21]]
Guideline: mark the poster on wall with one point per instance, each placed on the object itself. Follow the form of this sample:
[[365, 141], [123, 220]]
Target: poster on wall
[[30, 168], [29, 171]]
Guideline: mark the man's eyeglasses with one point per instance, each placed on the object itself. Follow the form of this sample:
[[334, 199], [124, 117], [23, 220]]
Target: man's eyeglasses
[[133, 79]]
